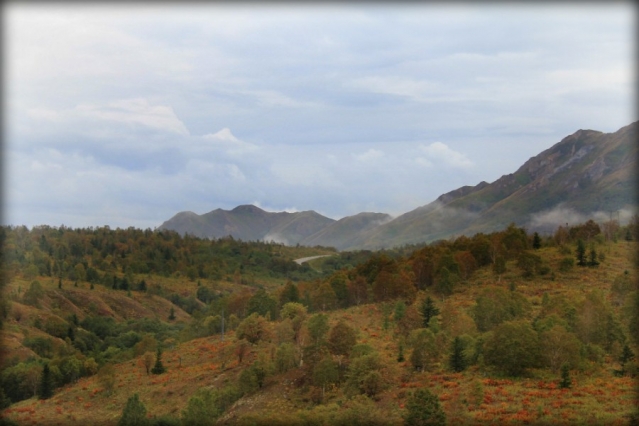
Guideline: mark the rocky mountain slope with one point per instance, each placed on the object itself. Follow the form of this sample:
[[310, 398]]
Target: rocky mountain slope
[[588, 173]]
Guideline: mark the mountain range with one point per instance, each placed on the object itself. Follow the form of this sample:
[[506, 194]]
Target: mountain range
[[588, 174]]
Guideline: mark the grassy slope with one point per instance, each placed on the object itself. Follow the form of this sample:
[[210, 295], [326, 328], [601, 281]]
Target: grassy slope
[[595, 397]]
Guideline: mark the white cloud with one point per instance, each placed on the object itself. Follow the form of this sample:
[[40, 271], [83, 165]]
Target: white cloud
[[136, 111], [299, 174], [370, 156], [109, 118], [275, 210], [418, 90], [226, 140], [580, 79], [274, 98], [438, 152]]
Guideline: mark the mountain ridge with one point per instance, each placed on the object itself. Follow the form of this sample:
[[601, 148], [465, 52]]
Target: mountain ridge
[[586, 172]]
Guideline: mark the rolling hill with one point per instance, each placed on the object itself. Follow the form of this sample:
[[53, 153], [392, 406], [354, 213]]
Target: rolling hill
[[249, 223]]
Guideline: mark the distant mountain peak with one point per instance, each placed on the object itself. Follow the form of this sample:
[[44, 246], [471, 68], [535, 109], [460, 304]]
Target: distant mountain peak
[[249, 223], [248, 208]]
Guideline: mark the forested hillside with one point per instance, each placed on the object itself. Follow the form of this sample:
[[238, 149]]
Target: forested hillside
[[108, 326]]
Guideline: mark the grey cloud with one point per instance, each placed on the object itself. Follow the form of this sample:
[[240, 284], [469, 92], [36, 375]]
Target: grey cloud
[[560, 215]]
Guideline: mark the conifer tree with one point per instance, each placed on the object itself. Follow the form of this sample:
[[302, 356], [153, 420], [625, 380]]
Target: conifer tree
[[158, 368], [626, 355], [429, 310], [536, 241], [134, 413], [46, 383], [457, 359], [400, 356], [581, 253], [566, 382]]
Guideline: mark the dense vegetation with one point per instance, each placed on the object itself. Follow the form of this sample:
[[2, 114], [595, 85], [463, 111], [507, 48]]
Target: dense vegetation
[[237, 320]]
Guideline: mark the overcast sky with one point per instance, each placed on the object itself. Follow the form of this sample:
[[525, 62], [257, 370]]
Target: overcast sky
[[125, 115]]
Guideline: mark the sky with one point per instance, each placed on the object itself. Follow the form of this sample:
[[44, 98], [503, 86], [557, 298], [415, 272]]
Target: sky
[[124, 115]]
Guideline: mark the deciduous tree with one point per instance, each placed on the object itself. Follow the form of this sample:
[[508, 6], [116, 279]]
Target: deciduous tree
[[357, 290], [262, 304], [559, 347], [512, 348], [424, 353], [289, 293], [253, 328], [317, 327], [341, 339], [147, 361], [495, 305], [423, 409], [106, 378], [325, 373]]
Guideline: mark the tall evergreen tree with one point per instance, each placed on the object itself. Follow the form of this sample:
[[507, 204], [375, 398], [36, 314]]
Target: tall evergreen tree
[[46, 383], [158, 368], [566, 382], [134, 413], [581, 253], [429, 310], [626, 355], [536, 241], [457, 360], [400, 355]]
